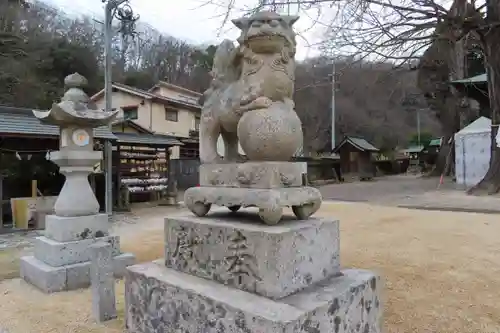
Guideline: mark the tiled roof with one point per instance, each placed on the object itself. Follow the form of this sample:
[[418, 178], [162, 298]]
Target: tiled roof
[[358, 143], [21, 121], [147, 139], [147, 95], [175, 87], [413, 149], [435, 142], [481, 78], [134, 125]]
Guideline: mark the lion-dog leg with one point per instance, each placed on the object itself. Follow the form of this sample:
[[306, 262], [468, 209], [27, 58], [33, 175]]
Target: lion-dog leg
[[210, 130], [231, 153]]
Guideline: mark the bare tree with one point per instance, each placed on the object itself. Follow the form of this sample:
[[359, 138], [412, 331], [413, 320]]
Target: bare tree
[[401, 32], [169, 59]]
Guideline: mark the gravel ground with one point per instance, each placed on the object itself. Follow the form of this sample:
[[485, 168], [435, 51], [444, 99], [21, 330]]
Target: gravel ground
[[18, 239], [439, 269], [384, 189], [24, 239], [401, 191], [18, 244]]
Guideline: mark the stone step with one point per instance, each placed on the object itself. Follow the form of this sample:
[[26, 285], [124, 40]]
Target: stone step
[[57, 254], [51, 279]]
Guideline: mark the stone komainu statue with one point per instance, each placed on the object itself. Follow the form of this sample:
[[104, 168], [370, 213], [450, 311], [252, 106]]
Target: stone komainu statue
[[250, 97]]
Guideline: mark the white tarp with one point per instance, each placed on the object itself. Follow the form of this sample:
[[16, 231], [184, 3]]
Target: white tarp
[[497, 138], [473, 152]]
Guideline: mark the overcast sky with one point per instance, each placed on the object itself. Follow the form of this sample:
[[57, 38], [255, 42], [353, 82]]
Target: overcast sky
[[188, 20]]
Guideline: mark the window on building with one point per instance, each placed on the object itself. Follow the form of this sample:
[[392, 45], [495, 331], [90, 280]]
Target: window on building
[[197, 120], [171, 114], [130, 112]]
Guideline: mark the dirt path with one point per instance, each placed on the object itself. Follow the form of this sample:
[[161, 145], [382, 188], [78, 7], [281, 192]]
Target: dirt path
[[440, 272], [412, 192], [383, 189]]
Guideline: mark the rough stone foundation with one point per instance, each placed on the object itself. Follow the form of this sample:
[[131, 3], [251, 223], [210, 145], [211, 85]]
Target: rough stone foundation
[[160, 299]]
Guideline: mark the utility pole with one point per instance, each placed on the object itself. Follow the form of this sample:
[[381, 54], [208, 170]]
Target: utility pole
[[123, 12], [418, 126], [333, 104]]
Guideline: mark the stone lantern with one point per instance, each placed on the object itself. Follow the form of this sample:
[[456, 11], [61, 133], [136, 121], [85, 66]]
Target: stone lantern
[[61, 257], [76, 118]]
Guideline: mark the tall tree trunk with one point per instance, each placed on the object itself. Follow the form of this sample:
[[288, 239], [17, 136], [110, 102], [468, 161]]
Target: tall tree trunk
[[442, 62], [450, 125], [452, 108], [491, 45]]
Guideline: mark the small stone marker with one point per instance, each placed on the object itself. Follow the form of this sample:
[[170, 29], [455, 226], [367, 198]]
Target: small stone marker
[[102, 282]]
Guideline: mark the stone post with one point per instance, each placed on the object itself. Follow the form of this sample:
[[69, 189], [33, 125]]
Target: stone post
[[61, 258], [102, 282]]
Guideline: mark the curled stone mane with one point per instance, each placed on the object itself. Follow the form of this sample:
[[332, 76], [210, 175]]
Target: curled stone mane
[[254, 61], [278, 64]]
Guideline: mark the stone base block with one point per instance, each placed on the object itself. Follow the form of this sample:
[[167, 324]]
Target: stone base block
[[159, 299], [70, 277], [304, 201], [58, 254], [272, 261], [67, 229], [254, 174]]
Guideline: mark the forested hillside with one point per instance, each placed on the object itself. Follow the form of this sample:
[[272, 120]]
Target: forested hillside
[[39, 46]]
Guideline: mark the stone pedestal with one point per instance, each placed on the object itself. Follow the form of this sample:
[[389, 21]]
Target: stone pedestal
[[261, 175], [61, 259], [223, 274], [272, 261], [269, 186]]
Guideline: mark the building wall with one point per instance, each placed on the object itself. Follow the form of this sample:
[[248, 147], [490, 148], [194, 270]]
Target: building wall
[[121, 99], [186, 118], [185, 123], [151, 115]]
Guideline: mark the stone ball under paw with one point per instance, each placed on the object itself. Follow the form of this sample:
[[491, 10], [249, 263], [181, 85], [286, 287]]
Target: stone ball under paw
[[271, 134]]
